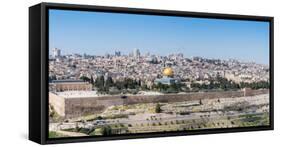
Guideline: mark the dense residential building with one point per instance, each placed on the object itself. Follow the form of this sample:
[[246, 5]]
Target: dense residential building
[[148, 68]]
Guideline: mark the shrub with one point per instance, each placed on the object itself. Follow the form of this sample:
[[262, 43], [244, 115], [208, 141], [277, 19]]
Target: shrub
[[158, 108]]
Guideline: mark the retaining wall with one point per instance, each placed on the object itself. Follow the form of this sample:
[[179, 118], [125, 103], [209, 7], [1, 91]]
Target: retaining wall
[[58, 103], [74, 107]]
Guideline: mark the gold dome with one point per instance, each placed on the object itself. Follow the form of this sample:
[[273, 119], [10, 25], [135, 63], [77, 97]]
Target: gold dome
[[168, 71]]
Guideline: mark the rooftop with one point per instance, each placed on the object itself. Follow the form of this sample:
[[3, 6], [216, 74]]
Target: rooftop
[[67, 81]]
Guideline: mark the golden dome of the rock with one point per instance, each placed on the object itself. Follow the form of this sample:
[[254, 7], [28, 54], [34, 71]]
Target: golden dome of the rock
[[168, 71]]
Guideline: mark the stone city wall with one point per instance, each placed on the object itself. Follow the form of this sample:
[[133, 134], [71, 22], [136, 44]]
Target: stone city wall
[[82, 106], [58, 103]]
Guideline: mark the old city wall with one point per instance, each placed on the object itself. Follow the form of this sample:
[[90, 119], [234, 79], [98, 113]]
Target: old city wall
[[249, 92], [83, 106], [191, 96], [58, 103], [181, 97]]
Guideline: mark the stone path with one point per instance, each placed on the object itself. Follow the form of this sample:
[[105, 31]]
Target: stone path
[[75, 134]]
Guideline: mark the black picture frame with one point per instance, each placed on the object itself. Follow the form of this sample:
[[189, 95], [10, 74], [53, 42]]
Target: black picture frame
[[38, 70]]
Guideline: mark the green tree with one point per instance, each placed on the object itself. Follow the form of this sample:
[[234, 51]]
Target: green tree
[[92, 80], [109, 82], [158, 108], [85, 79], [107, 131], [99, 83]]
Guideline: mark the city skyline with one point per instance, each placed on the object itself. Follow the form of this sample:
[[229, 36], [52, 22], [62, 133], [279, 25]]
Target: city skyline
[[74, 32], [113, 53]]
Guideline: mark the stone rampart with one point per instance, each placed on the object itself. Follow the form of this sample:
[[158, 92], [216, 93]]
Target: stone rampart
[[74, 107]]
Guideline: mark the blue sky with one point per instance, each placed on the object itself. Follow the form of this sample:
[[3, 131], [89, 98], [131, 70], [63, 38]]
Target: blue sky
[[97, 33]]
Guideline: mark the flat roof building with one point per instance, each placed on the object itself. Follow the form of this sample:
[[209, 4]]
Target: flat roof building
[[70, 85]]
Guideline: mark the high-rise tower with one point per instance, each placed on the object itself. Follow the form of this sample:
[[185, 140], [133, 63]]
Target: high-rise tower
[[56, 52]]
